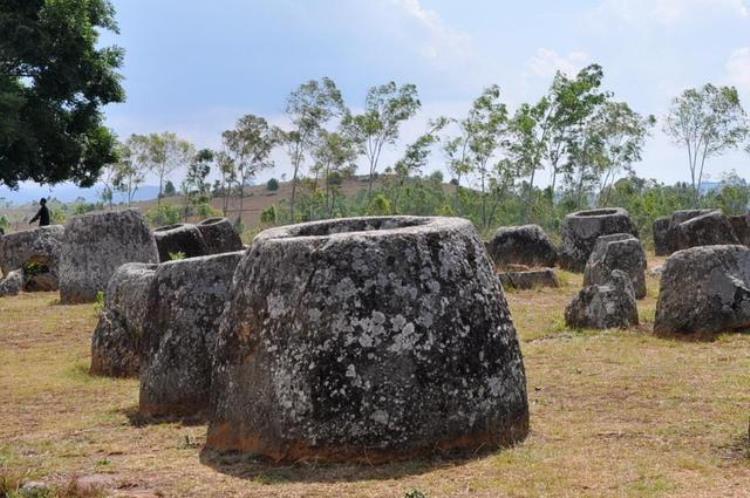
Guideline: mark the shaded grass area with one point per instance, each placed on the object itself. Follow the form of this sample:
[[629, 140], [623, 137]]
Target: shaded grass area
[[614, 413]]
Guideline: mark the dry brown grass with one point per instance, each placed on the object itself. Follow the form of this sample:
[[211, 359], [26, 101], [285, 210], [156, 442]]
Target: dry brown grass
[[614, 413]]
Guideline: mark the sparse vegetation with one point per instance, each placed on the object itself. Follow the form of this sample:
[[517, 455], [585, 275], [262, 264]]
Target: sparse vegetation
[[177, 256], [163, 214], [621, 413], [99, 303]]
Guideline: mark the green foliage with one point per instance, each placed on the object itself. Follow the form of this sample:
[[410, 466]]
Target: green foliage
[[205, 210], [55, 79], [195, 188], [99, 303], [386, 108], [57, 215], [269, 215], [415, 493], [164, 214], [169, 189], [177, 256], [379, 205], [707, 121], [31, 268], [4, 223], [732, 196], [248, 150], [272, 185], [309, 108]]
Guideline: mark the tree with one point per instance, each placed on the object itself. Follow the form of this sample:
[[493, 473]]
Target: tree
[[603, 146], [707, 121], [169, 189], [163, 153], [272, 185], [129, 173], [386, 108], [623, 134], [334, 154], [528, 140], [228, 170], [195, 187], [309, 107], [416, 154], [107, 179], [54, 81], [481, 136], [249, 147], [572, 102]]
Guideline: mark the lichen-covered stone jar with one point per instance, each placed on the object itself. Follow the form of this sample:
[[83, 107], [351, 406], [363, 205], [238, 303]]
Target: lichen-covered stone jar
[[367, 339]]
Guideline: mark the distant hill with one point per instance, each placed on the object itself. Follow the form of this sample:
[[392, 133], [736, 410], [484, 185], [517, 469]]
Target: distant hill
[[68, 192]]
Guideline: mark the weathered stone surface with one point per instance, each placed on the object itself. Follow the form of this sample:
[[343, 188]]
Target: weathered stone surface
[[522, 245], [705, 230], [606, 306], [115, 345], [741, 226], [581, 229], [529, 279], [11, 284], [661, 236], [95, 245], [367, 339], [184, 238], [37, 252], [675, 220], [687, 214], [220, 235], [705, 289], [182, 319], [620, 251]]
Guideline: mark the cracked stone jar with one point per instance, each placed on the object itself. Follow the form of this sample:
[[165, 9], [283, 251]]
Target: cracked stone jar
[[580, 231], [367, 339]]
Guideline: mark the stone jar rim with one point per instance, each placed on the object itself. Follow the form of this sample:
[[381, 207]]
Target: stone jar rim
[[597, 213], [366, 226]]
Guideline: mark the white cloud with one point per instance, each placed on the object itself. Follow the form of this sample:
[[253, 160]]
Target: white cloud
[[738, 68], [439, 39], [547, 62], [664, 12]]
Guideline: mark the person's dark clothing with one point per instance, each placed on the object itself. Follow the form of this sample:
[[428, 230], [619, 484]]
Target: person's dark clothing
[[42, 215]]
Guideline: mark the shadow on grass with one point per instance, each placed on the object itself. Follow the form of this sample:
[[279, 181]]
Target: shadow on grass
[[137, 419], [262, 471], [700, 337]]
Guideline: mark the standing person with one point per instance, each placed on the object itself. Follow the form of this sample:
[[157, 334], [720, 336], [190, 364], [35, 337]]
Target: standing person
[[42, 215]]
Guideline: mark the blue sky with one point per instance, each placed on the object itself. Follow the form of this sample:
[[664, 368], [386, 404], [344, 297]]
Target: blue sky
[[195, 67]]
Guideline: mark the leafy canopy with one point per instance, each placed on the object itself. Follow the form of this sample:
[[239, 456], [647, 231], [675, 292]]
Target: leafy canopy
[[54, 81]]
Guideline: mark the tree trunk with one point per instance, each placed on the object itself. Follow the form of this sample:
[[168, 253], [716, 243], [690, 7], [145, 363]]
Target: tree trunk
[[161, 183]]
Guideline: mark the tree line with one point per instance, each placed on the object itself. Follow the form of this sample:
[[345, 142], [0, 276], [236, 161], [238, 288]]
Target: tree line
[[583, 137], [55, 78]]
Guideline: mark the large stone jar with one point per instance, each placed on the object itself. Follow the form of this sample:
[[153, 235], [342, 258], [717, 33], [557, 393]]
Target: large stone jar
[[581, 229], [367, 339]]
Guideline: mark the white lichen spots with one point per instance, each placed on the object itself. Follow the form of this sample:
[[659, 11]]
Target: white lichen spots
[[496, 386], [276, 305], [406, 339], [380, 417], [425, 320], [434, 286], [365, 341], [344, 289], [314, 315], [351, 371]]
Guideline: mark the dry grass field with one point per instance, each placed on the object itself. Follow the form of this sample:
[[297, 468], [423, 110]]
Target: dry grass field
[[614, 413]]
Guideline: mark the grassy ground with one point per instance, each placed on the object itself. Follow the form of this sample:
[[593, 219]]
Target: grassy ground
[[614, 413]]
